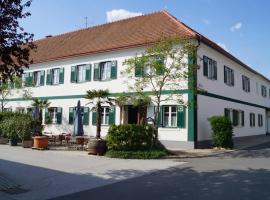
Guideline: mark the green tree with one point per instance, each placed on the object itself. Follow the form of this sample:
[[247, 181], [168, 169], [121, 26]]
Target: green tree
[[98, 97], [15, 43], [165, 65]]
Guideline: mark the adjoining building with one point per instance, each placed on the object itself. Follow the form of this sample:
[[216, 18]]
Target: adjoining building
[[67, 65]]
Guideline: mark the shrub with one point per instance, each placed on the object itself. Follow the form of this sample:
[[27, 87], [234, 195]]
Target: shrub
[[141, 154], [4, 116], [222, 131], [17, 126], [130, 137]]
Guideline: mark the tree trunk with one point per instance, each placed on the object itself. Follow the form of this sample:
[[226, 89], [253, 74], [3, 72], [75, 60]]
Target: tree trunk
[[99, 109]]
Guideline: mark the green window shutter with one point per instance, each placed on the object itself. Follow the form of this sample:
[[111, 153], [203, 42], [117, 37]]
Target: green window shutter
[[30, 79], [59, 115], [205, 66], [112, 115], [73, 77], [61, 75], [47, 117], [71, 115], [86, 116], [18, 82], [42, 77], [94, 117], [215, 69], [160, 116], [49, 77], [235, 117], [88, 72], [242, 118], [181, 116], [96, 72], [250, 120], [232, 78], [114, 69]]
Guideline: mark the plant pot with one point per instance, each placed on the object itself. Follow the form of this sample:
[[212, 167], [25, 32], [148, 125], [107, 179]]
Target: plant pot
[[27, 143], [96, 147], [41, 142], [3, 140], [13, 142]]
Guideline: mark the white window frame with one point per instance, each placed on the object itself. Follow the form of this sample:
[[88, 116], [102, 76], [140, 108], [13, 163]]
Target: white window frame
[[36, 78], [170, 116], [264, 91], [53, 113], [55, 76], [81, 73], [105, 70], [229, 73], [246, 83], [105, 115]]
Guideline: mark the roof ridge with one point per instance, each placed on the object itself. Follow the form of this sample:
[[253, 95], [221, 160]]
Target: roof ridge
[[100, 25]]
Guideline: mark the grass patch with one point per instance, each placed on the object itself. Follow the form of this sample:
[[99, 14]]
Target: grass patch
[[139, 154]]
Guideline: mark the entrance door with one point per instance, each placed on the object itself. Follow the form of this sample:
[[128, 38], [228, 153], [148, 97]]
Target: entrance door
[[132, 115]]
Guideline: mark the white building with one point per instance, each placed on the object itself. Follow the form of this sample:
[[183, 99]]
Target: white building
[[67, 65]]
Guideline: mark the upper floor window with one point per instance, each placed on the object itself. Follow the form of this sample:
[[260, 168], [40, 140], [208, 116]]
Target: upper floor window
[[35, 78], [245, 83], [228, 76], [155, 66], [104, 71], [264, 91], [55, 76], [209, 68], [80, 73]]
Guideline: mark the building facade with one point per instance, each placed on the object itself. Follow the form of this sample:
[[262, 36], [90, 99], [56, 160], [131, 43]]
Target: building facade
[[68, 65]]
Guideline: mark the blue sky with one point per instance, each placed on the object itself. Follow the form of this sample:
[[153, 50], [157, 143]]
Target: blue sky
[[241, 26]]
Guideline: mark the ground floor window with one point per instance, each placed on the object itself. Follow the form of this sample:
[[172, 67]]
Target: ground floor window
[[237, 117], [20, 109], [169, 116], [84, 112], [260, 120], [105, 116], [252, 119], [53, 115]]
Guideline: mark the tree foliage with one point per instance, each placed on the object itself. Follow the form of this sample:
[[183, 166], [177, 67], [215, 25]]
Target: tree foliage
[[15, 43], [163, 66]]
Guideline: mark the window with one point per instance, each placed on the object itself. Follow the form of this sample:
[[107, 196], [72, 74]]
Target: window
[[7, 109], [170, 116], [105, 71], [260, 120], [105, 115], [20, 109], [55, 76], [263, 91], [252, 119], [228, 76], [37, 77], [80, 73], [84, 112], [245, 83], [53, 115], [209, 68], [237, 117]]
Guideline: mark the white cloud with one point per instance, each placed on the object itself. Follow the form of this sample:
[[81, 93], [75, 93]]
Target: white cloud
[[118, 14], [205, 21], [236, 27], [222, 45]]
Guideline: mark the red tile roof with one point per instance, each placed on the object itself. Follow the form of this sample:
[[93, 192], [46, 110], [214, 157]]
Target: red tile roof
[[127, 33]]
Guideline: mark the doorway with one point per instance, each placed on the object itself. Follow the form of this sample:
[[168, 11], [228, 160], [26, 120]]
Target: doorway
[[132, 115]]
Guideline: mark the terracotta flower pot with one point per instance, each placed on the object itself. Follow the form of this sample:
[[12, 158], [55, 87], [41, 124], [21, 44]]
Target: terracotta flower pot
[[41, 142], [96, 147]]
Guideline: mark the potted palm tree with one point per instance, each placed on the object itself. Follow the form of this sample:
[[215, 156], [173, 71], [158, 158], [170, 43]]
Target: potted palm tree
[[40, 142], [97, 146]]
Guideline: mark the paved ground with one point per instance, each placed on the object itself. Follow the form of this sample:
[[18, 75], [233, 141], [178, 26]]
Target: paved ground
[[48, 174], [242, 174]]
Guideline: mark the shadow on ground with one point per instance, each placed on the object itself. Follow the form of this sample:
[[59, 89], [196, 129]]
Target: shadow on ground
[[43, 183], [185, 183]]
